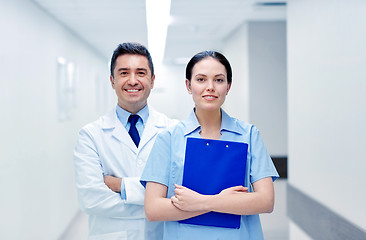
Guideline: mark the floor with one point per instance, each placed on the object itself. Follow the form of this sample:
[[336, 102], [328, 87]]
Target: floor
[[275, 225]]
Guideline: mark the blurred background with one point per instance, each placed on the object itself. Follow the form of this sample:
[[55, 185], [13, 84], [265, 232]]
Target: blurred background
[[298, 74]]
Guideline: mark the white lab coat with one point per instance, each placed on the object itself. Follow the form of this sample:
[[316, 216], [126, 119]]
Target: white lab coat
[[104, 147]]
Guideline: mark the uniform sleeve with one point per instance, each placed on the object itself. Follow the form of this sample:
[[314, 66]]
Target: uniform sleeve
[[261, 164], [95, 198], [157, 167]]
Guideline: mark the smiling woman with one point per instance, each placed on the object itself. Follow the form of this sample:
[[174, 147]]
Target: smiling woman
[[208, 80], [208, 86]]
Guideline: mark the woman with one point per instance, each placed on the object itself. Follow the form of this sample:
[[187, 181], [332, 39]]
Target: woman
[[208, 80]]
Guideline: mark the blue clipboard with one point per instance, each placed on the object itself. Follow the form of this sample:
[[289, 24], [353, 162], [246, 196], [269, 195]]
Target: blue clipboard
[[209, 167]]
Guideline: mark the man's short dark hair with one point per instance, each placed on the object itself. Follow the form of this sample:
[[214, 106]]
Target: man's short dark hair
[[131, 48]]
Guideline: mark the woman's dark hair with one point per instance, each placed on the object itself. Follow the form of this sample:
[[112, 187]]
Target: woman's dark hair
[[131, 48], [202, 55]]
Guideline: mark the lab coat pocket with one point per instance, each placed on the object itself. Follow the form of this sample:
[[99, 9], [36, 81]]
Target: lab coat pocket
[[110, 236]]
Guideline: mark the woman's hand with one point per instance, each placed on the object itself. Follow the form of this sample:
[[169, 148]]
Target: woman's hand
[[234, 190], [160, 208], [188, 200]]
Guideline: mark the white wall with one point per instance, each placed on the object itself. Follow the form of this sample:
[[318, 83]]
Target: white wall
[[327, 95], [169, 94], [257, 53], [268, 83], [236, 51], [38, 197]]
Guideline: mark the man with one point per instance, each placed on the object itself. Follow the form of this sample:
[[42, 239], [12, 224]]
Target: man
[[112, 151]]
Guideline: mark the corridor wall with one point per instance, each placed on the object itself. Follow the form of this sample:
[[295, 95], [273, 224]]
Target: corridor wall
[[257, 53], [268, 83], [51, 84], [236, 50], [326, 117]]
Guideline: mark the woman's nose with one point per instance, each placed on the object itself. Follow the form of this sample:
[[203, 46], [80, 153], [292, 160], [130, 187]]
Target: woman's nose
[[210, 86]]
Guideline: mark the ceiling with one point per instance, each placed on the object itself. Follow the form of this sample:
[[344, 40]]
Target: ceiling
[[195, 25]]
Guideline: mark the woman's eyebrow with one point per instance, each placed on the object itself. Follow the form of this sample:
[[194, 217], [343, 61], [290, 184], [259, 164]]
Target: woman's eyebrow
[[217, 75], [220, 74], [200, 74]]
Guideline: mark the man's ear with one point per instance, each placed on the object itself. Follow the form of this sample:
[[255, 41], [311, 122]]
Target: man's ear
[[112, 81], [152, 81], [188, 85]]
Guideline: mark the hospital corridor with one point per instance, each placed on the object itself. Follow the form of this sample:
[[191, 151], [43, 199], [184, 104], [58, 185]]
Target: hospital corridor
[[295, 89]]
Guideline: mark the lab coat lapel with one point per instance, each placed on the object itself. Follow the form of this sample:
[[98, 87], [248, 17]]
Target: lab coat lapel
[[119, 132], [149, 132], [153, 125]]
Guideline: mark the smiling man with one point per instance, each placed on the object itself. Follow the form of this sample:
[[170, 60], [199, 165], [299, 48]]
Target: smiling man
[[111, 152]]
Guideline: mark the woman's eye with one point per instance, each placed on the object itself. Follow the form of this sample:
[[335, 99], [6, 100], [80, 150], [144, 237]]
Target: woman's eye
[[200, 79]]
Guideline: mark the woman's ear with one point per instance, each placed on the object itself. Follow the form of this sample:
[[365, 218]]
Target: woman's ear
[[228, 88], [188, 85]]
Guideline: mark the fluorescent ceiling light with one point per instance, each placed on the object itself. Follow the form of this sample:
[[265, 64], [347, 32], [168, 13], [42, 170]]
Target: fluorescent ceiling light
[[157, 17], [61, 60]]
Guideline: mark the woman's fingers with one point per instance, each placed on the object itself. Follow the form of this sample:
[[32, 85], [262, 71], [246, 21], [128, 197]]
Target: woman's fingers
[[240, 189]]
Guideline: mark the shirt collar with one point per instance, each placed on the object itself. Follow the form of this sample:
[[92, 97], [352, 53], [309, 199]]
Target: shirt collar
[[228, 123], [191, 123], [123, 115]]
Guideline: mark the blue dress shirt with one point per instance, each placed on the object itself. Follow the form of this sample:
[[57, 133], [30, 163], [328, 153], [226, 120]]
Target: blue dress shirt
[[123, 116]]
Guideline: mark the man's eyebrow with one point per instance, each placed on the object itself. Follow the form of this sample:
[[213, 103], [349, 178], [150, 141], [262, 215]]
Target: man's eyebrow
[[142, 69], [122, 69]]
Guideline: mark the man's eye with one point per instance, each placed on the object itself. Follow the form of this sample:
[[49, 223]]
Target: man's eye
[[141, 73], [124, 73]]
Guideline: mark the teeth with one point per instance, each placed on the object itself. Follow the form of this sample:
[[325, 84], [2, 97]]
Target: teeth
[[132, 90], [210, 97]]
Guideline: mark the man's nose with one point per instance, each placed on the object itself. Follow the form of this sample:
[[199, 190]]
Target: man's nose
[[133, 79]]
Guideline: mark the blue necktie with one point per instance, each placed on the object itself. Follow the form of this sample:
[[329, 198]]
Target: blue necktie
[[133, 130]]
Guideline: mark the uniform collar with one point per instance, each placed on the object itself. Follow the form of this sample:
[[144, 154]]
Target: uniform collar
[[191, 123], [228, 123]]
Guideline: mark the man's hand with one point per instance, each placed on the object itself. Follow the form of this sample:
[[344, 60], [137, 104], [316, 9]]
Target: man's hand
[[114, 183]]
